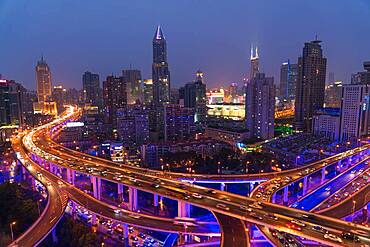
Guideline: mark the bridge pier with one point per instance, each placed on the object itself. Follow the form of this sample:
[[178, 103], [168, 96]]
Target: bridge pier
[[222, 186], [251, 187], [305, 185], [125, 234], [96, 184], [285, 195], [133, 200], [93, 220], [71, 175], [120, 192], [323, 171], [54, 235], [183, 209]]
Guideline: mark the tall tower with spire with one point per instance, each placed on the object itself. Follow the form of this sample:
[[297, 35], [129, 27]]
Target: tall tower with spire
[[43, 80], [160, 71], [254, 62]]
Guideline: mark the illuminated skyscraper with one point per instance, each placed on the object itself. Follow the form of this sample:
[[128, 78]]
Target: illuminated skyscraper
[[132, 77], [260, 106], [254, 62], [160, 71], [115, 97], [91, 88], [43, 78], [288, 81], [310, 90]]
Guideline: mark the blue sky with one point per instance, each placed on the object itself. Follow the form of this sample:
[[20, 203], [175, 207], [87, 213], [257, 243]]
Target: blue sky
[[213, 35]]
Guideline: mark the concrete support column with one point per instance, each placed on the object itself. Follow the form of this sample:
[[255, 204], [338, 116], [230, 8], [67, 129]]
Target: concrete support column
[[24, 173], [305, 185], [222, 186], [251, 187], [183, 209], [96, 183], [323, 171], [93, 220], [120, 192], [125, 230], [71, 175], [155, 200], [33, 183], [54, 235], [285, 195], [133, 200], [273, 199]]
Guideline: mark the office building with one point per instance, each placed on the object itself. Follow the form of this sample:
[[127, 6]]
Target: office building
[[254, 62], [260, 106], [132, 77], [326, 123], [43, 78], [115, 97], [178, 123], [148, 91], [288, 81], [194, 94], [333, 95], [91, 89], [362, 77], [354, 120], [310, 89], [160, 71], [11, 112], [133, 125]]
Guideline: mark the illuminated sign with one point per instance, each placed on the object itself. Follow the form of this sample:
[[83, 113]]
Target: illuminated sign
[[75, 124]]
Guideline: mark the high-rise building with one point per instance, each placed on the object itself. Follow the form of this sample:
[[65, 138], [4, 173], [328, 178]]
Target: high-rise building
[[178, 123], [43, 78], [288, 81], [355, 119], [254, 62], [115, 97], [91, 89], [362, 77], [132, 77], [160, 71], [310, 89], [333, 95], [326, 123], [11, 112], [59, 96], [260, 106], [148, 91], [133, 125], [195, 97]]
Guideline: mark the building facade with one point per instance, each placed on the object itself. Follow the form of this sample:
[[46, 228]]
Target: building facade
[[132, 77], [260, 106], [43, 78], [310, 89], [288, 81], [178, 123], [326, 123], [91, 89], [333, 95], [160, 71], [115, 97], [354, 120], [362, 77], [11, 110]]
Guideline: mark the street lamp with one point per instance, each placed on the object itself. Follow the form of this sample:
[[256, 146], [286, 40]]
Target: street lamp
[[353, 209], [38, 206], [11, 229]]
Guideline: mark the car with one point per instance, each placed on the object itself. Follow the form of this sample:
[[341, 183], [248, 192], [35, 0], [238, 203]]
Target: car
[[255, 216], [156, 186], [242, 207], [181, 186], [257, 205], [211, 192], [333, 237], [186, 197], [48, 183], [60, 183], [272, 216], [222, 206], [117, 211], [353, 172], [319, 229], [297, 222], [350, 236], [135, 216], [196, 195], [294, 226], [327, 188], [141, 235]]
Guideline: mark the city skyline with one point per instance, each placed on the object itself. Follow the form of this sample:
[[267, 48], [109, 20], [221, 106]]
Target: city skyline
[[223, 58]]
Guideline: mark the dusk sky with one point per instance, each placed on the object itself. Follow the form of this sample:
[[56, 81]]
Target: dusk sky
[[212, 35]]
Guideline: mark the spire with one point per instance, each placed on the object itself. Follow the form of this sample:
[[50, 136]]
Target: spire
[[254, 52], [257, 52], [251, 51], [158, 34]]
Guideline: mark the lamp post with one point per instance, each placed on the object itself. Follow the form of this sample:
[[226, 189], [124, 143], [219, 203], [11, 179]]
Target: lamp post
[[353, 209], [11, 229]]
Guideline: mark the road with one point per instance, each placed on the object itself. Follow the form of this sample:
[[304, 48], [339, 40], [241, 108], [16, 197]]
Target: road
[[57, 201], [233, 205]]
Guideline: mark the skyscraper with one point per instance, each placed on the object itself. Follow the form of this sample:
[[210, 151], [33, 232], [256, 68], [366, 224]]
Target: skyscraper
[[132, 77], [91, 88], [254, 62], [363, 76], [355, 110], [195, 97], [115, 97], [260, 106], [43, 78], [160, 71], [11, 112], [288, 81], [310, 89], [148, 91]]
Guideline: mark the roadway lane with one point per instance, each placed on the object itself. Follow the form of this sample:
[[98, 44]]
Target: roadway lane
[[314, 198]]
